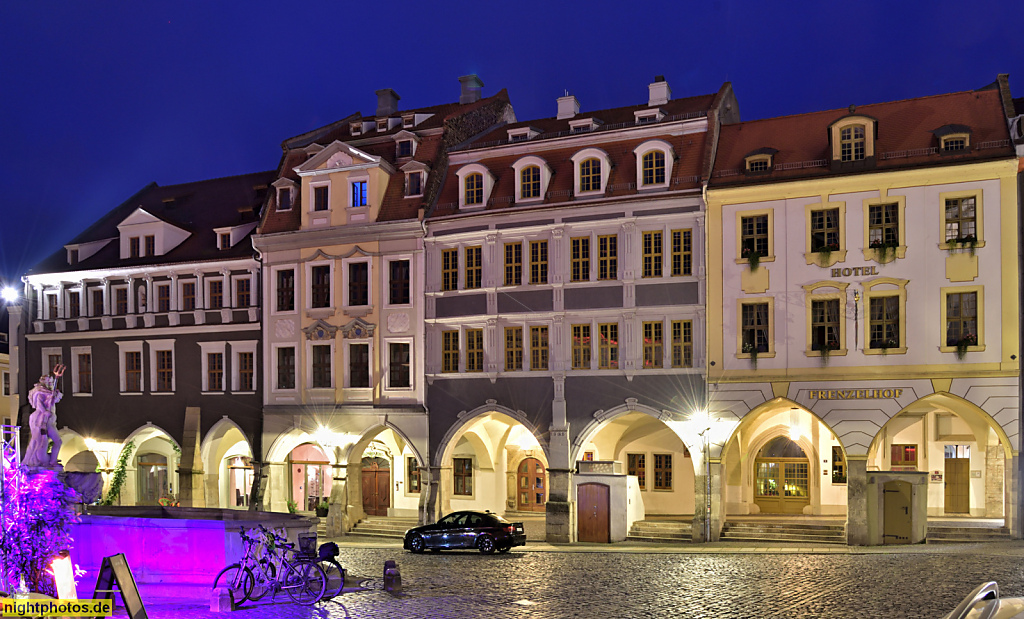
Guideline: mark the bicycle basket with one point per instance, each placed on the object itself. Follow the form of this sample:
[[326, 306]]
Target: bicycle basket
[[307, 544], [328, 550]]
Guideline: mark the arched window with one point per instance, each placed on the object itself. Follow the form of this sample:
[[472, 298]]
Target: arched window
[[475, 189], [529, 182], [654, 168], [851, 143], [590, 175]]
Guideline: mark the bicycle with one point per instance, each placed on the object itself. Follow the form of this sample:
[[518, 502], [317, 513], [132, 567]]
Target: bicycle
[[265, 566], [332, 569]]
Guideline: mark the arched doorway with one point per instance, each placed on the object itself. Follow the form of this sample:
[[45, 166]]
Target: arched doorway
[[310, 476], [239, 480], [532, 488], [151, 473], [782, 478], [376, 485]]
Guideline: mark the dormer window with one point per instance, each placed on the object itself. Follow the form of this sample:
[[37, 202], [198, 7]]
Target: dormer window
[[521, 134], [654, 168], [72, 256], [225, 240], [409, 121], [529, 179], [284, 198], [591, 167], [954, 143], [474, 192], [356, 128], [584, 125], [852, 139], [759, 165], [475, 185], [405, 148], [532, 176], [150, 241], [133, 247], [590, 174], [851, 144], [382, 124], [648, 116], [413, 184], [654, 160]]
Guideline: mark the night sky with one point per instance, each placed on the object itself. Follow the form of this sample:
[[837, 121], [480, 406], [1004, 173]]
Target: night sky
[[99, 98]]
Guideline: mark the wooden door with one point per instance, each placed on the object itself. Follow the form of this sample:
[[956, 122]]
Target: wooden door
[[782, 485], [531, 487], [958, 485], [592, 513], [896, 521], [376, 486]]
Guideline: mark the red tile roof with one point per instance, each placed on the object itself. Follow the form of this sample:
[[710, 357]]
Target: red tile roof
[[904, 138]]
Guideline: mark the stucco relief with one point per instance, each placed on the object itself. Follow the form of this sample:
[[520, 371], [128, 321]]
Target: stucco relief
[[398, 323], [284, 329]]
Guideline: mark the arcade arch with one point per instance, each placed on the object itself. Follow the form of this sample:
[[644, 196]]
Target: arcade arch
[[227, 463]]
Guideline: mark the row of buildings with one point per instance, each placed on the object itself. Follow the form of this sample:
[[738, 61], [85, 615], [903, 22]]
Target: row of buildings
[[656, 311]]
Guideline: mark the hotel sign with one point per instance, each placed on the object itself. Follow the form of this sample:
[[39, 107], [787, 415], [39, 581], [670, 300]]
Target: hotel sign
[[854, 271], [854, 394]]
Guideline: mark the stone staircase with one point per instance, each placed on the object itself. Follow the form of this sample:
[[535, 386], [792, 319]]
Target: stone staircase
[[942, 534], [663, 531], [797, 532], [381, 526]]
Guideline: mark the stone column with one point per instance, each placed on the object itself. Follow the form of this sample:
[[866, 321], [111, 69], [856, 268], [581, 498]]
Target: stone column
[[337, 516], [191, 484], [276, 497], [354, 493], [857, 500], [561, 507], [994, 490], [430, 494], [716, 518], [1013, 475]]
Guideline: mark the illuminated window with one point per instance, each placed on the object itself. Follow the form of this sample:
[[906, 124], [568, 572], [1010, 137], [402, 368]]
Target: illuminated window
[[413, 477], [538, 262], [474, 192], [608, 346], [851, 143], [652, 250], [654, 347], [838, 465], [682, 344], [636, 465], [462, 476], [590, 175], [581, 350], [608, 256], [654, 168], [513, 264], [529, 186], [449, 351], [359, 194], [474, 350], [682, 252], [538, 348], [450, 269], [474, 267], [904, 455], [580, 258], [513, 349]]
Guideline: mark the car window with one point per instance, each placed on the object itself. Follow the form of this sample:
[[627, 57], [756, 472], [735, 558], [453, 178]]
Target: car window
[[498, 519], [448, 520], [475, 520]]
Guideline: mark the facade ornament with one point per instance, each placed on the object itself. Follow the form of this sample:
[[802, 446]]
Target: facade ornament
[[320, 331], [357, 329]]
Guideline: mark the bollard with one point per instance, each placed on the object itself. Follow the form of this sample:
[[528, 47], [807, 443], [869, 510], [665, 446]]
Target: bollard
[[222, 600], [392, 577]]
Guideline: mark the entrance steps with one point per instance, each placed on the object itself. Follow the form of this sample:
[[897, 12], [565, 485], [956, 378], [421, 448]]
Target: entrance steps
[[821, 532], [960, 535], [383, 526], [663, 531]]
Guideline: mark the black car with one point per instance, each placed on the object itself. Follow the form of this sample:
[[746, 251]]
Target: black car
[[484, 531]]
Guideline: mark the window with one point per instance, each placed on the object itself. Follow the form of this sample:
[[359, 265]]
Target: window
[[851, 143], [97, 302], [754, 234], [73, 256], [5, 387], [320, 198], [758, 165], [74, 304], [286, 368], [51, 306], [755, 327], [399, 282], [243, 294], [682, 344], [284, 199], [652, 254], [398, 366], [581, 350], [538, 262], [163, 298], [164, 370], [412, 484], [825, 334], [474, 267], [84, 373], [321, 286], [662, 471], [513, 349], [215, 371], [474, 350], [450, 269], [216, 294], [513, 264], [529, 179], [904, 456], [636, 465], [883, 225], [654, 348], [133, 371], [825, 230], [321, 375], [954, 143], [52, 360], [682, 252], [358, 193], [405, 148], [838, 465], [358, 366], [961, 222], [608, 256], [474, 192], [359, 283], [956, 451], [538, 348], [121, 301], [246, 371], [884, 316], [151, 245], [188, 298], [225, 240], [286, 290], [580, 258], [462, 473], [414, 184], [608, 346], [962, 318], [654, 168], [590, 175], [133, 247], [449, 351]]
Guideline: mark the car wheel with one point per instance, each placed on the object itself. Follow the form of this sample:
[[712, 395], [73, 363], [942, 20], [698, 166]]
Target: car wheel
[[416, 544], [486, 545], [504, 549]]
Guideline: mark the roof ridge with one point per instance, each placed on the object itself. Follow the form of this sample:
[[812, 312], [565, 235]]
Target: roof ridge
[[218, 178], [582, 114]]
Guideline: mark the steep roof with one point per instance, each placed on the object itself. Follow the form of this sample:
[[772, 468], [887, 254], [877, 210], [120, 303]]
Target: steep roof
[[198, 208], [905, 138]]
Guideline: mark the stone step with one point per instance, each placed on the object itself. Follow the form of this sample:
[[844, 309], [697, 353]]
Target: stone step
[[660, 531], [953, 535], [795, 539], [814, 533], [772, 526], [661, 526]]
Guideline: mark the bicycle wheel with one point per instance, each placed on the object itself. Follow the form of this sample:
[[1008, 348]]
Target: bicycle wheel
[[237, 578], [265, 577], [304, 581], [335, 577]]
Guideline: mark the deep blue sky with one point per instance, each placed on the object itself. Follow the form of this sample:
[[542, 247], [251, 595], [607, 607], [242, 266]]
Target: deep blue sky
[[99, 98]]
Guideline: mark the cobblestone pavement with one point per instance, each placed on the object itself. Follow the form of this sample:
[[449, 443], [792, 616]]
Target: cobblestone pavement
[[718, 581]]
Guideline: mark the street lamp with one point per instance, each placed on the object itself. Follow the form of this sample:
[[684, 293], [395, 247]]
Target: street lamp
[[9, 294]]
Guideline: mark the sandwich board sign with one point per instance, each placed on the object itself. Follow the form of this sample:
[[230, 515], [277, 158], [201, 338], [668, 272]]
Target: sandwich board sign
[[115, 570]]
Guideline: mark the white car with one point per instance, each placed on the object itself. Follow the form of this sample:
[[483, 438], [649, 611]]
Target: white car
[[984, 603]]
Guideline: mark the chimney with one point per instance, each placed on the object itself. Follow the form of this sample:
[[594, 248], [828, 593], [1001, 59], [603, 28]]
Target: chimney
[[568, 106], [660, 93], [387, 102], [471, 87]]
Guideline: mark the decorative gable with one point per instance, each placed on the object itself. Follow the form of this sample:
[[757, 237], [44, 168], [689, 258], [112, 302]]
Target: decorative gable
[[357, 329], [320, 331], [144, 234], [339, 156]]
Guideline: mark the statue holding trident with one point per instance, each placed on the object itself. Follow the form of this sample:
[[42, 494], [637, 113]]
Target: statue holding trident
[[42, 422]]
